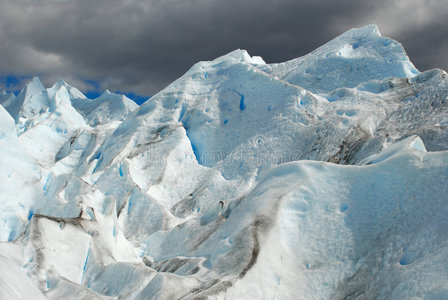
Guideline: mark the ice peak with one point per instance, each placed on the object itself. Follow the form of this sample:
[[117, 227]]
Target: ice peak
[[365, 31], [362, 53], [60, 82], [58, 85], [240, 55], [36, 79], [34, 86], [109, 96]]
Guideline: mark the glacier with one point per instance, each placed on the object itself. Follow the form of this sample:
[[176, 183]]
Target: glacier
[[323, 177]]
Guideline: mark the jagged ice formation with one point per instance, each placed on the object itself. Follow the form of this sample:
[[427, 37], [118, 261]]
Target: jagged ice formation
[[324, 177]]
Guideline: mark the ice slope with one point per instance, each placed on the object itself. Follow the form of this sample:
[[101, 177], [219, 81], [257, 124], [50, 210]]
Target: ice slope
[[14, 284], [101, 110], [239, 180], [370, 232], [20, 188]]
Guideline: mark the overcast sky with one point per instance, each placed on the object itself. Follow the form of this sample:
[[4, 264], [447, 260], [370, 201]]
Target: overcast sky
[[141, 46]]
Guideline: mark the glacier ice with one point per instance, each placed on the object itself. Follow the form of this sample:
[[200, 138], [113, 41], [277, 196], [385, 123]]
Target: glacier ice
[[324, 177], [357, 56]]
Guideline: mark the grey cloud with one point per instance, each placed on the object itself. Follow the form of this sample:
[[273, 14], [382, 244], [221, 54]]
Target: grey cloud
[[141, 46], [420, 25]]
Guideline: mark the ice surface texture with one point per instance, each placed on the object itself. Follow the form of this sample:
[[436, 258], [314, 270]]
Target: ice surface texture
[[324, 177]]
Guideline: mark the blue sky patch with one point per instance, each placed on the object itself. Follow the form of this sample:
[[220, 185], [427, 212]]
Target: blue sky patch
[[13, 83]]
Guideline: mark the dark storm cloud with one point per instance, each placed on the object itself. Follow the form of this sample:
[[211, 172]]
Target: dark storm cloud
[[428, 46], [141, 46]]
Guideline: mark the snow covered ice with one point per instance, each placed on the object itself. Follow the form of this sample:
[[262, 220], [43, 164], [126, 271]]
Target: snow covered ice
[[324, 177]]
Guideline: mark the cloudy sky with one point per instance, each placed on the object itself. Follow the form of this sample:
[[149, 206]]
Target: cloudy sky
[[140, 46]]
